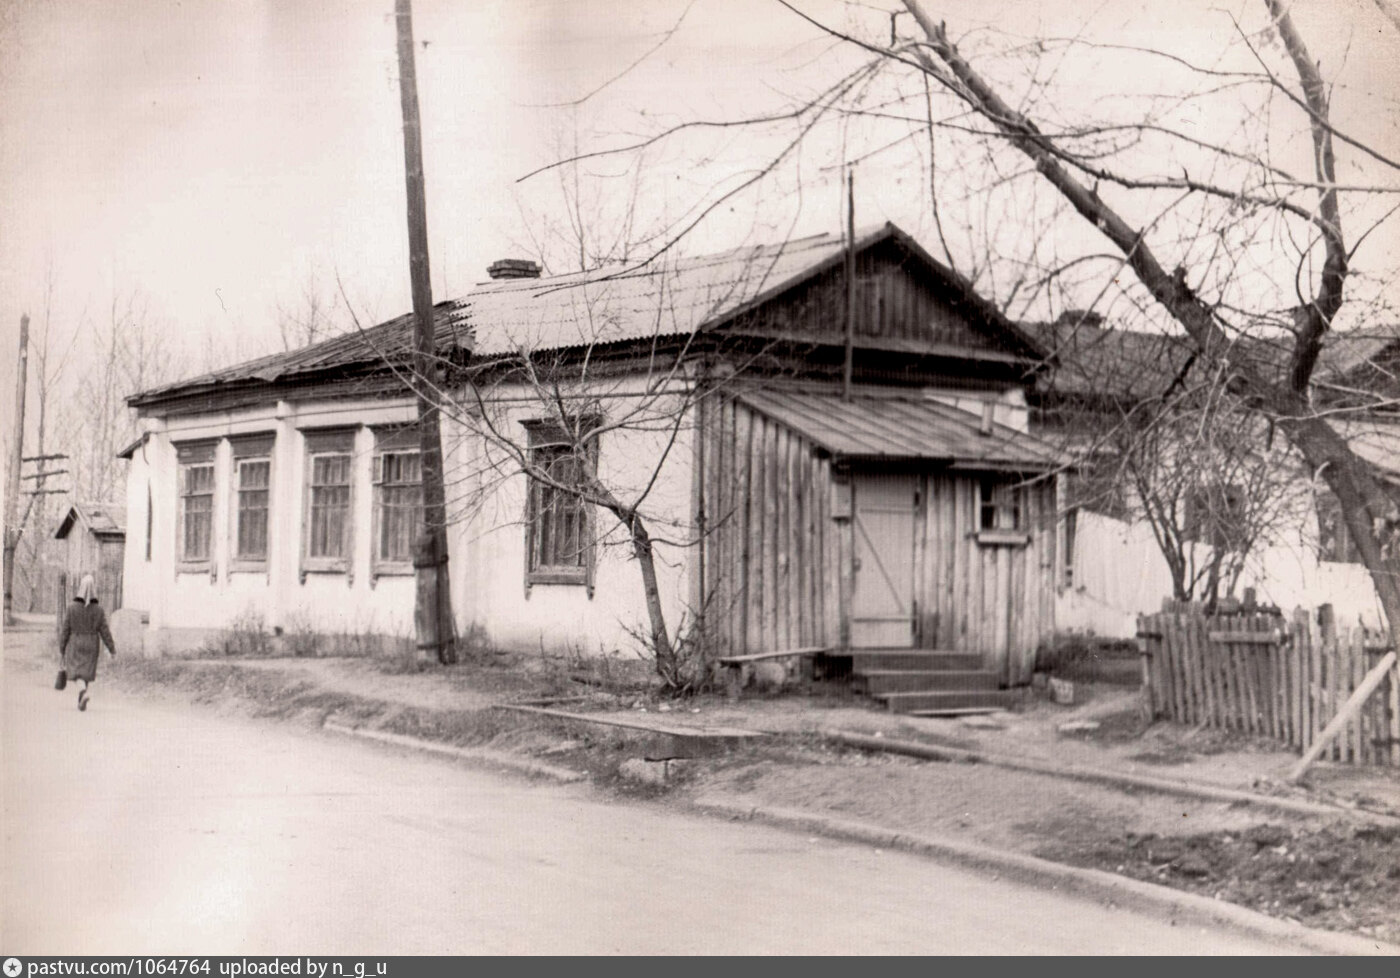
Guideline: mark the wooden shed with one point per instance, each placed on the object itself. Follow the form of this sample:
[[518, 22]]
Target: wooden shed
[[906, 534], [96, 537]]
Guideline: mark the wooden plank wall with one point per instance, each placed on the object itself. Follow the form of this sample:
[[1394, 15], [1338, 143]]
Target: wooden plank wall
[[1271, 677], [777, 563], [772, 551], [894, 298], [995, 600]]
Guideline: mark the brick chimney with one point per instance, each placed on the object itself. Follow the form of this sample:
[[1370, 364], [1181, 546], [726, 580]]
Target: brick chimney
[[513, 268]]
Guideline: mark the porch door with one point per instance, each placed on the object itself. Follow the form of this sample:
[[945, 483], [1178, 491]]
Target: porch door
[[882, 596]]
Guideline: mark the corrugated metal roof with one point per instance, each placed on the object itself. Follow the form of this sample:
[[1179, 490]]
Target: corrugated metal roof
[[667, 297], [662, 298], [1378, 442], [392, 340], [871, 426]]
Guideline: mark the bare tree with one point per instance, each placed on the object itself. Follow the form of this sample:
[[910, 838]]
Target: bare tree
[[1213, 233], [310, 317], [127, 352]]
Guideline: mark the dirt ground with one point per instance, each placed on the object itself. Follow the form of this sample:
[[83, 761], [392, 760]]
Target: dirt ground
[[1337, 872]]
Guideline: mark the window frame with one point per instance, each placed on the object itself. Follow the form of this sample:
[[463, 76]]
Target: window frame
[[328, 443], [190, 456], [1000, 517], [1201, 523], [250, 449], [549, 436], [392, 441]]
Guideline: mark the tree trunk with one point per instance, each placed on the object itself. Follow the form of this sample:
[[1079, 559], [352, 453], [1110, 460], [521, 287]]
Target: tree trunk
[[1366, 509]]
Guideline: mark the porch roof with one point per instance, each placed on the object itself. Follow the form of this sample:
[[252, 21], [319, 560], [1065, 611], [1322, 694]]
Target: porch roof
[[902, 428]]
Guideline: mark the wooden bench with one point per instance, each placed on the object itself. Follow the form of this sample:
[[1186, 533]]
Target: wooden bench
[[736, 666]]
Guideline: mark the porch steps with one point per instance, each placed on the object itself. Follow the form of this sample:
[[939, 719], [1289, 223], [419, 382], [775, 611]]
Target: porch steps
[[940, 701], [929, 682], [926, 660], [882, 681]]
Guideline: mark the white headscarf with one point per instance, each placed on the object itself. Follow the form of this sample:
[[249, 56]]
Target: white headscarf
[[87, 590]]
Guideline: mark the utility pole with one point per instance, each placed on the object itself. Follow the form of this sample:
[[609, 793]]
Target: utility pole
[[433, 602], [848, 363], [16, 460]]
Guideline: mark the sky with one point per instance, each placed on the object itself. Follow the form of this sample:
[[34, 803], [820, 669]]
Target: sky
[[217, 155]]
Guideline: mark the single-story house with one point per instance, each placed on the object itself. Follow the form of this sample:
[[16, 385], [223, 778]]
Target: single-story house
[[1112, 568], [95, 539], [805, 485]]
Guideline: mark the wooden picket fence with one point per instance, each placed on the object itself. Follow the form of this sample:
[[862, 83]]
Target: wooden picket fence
[[1271, 676]]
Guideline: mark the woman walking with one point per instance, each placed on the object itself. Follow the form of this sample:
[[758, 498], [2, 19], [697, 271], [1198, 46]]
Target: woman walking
[[83, 626]]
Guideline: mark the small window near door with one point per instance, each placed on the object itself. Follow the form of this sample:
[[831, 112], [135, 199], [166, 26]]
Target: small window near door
[[1001, 515], [1000, 503]]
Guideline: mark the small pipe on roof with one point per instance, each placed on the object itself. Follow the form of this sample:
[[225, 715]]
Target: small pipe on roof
[[988, 417]]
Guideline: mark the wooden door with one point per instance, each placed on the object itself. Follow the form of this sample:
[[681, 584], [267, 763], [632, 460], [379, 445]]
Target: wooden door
[[882, 594], [109, 573]]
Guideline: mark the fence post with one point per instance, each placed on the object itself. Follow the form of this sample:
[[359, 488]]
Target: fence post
[[1149, 711]]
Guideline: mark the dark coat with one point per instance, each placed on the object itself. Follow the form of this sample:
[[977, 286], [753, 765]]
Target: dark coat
[[83, 626]]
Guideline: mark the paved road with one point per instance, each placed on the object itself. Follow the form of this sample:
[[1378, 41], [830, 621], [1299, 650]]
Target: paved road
[[153, 828]]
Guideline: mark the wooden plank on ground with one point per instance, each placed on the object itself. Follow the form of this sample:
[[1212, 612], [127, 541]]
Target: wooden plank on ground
[[1395, 717], [1358, 698]]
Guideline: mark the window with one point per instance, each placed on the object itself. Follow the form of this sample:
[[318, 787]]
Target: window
[[1000, 503], [329, 458], [252, 483], [558, 538], [398, 497], [196, 514], [1215, 515], [1071, 523], [1334, 539]]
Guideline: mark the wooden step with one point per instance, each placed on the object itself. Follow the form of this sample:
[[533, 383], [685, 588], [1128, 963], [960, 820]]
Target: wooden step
[[876, 660], [942, 700], [881, 681]]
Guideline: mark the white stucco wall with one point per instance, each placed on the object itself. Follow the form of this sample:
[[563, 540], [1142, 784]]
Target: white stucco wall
[[1120, 573], [486, 539], [182, 604], [489, 580]]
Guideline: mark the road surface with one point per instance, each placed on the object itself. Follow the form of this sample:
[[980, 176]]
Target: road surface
[[150, 827]]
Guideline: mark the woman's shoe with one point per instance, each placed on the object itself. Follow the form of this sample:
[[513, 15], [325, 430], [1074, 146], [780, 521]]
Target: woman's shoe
[[61, 681], [82, 699]]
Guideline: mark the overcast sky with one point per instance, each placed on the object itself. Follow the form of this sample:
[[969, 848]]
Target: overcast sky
[[218, 153]]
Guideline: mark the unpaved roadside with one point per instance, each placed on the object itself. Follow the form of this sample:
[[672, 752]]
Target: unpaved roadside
[[1204, 846]]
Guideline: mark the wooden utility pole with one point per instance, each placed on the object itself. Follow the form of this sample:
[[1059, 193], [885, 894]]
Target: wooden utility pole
[[848, 363], [16, 460], [433, 605]]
